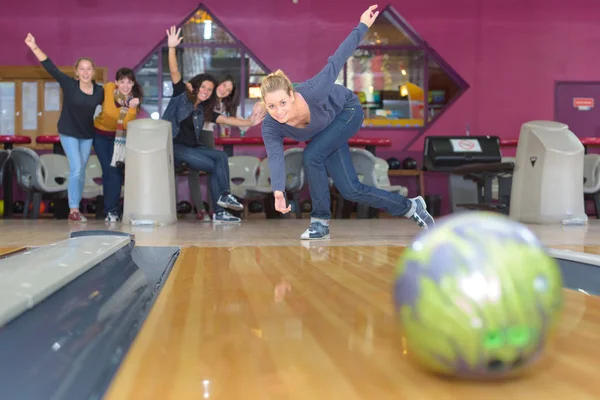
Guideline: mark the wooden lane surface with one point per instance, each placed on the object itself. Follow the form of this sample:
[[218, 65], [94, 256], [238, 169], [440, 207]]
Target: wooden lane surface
[[297, 323], [8, 251], [580, 249]]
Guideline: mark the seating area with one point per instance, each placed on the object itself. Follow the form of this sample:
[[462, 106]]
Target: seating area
[[43, 178], [249, 179], [484, 182]]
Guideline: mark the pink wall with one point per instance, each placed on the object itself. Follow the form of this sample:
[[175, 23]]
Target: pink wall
[[510, 52]]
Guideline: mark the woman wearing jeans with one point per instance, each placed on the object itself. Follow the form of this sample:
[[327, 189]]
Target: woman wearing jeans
[[187, 113], [122, 100], [328, 115], [227, 102], [81, 96]]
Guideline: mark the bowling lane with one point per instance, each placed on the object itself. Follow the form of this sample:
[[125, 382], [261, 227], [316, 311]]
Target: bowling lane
[[66, 340], [291, 322], [7, 251]]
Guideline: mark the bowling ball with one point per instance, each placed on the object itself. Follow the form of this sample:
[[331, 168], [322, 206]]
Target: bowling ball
[[306, 206], [409, 163], [18, 207], [393, 163], [91, 207], [477, 297], [42, 207], [255, 206], [184, 207]]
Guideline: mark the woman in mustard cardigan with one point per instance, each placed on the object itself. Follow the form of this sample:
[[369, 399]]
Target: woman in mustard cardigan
[[122, 100]]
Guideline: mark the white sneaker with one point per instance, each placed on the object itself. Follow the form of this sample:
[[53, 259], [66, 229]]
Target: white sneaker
[[420, 215], [316, 231], [112, 217]]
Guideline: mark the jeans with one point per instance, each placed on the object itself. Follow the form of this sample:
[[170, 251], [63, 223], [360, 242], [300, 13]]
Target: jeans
[[208, 139], [213, 162], [328, 152], [77, 152], [112, 177]]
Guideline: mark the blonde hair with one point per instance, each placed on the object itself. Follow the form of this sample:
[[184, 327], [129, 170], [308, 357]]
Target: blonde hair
[[85, 59], [275, 81]]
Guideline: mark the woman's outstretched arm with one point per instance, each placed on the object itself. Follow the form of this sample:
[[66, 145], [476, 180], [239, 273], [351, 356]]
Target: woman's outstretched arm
[[52, 69], [328, 75]]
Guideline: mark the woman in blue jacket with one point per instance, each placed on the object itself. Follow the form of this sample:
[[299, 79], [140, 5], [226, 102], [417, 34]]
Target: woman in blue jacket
[[187, 113], [328, 115]]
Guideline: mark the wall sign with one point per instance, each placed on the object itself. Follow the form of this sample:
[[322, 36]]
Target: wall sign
[[465, 145], [583, 103]]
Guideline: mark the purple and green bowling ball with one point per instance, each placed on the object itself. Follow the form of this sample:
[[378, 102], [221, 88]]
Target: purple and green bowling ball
[[477, 297]]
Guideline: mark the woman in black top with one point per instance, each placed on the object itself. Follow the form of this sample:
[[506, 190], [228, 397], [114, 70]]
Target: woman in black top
[[187, 113], [81, 96], [227, 102]]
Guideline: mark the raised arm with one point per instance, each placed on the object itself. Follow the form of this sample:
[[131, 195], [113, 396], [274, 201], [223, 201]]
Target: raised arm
[[173, 40], [328, 75], [30, 42], [57, 74]]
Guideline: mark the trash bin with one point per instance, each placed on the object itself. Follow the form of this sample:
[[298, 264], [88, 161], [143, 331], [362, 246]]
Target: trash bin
[[547, 184], [149, 197]]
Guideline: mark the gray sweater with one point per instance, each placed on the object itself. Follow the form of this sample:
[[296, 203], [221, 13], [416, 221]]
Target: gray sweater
[[325, 100]]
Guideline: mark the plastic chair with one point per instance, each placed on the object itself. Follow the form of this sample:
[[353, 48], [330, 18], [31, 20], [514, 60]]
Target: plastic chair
[[4, 156], [294, 183], [242, 174], [382, 179], [39, 175], [93, 170], [364, 165], [591, 179]]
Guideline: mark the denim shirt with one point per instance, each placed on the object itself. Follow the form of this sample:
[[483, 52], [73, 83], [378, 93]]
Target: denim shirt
[[178, 109]]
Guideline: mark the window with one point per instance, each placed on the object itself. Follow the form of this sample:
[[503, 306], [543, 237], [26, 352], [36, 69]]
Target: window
[[391, 71], [207, 46]]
